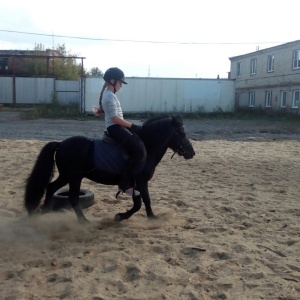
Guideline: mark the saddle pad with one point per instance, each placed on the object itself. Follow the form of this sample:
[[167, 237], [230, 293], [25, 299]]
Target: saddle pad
[[109, 157]]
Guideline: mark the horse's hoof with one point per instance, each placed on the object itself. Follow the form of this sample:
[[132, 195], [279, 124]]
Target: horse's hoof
[[121, 216], [118, 217], [84, 221], [33, 214], [44, 210], [152, 217]]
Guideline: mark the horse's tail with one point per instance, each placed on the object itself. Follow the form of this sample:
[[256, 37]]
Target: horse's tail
[[40, 176]]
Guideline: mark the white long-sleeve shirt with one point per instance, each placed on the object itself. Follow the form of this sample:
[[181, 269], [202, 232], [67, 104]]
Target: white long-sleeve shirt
[[111, 106]]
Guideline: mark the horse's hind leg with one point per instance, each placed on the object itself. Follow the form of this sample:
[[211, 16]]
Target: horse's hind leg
[[51, 189], [74, 192]]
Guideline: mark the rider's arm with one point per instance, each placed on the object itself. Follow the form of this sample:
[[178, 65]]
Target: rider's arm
[[122, 122]]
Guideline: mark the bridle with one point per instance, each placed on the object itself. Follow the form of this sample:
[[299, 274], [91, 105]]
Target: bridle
[[182, 145]]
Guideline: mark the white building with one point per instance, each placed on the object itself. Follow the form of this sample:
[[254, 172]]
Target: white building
[[268, 79]]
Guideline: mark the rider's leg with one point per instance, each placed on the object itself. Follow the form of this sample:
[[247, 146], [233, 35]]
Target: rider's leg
[[136, 150]]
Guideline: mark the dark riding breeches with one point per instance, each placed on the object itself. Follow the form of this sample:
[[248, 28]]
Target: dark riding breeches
[[133, 145]]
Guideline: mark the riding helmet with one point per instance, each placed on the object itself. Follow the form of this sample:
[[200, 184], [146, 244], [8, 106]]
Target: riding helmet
[[114, 73]]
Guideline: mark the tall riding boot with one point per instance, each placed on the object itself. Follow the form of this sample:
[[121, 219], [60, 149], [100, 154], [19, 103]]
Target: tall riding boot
[[125, 182]]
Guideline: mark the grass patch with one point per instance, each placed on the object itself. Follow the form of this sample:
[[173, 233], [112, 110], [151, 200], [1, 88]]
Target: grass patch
[[251, 115], [54, 109], [51, 110], [71, 111]]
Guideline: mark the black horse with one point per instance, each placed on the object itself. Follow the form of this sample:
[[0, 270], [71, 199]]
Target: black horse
[[75, 160]]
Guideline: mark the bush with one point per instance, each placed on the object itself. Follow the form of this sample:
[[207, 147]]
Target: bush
[[54, 110]]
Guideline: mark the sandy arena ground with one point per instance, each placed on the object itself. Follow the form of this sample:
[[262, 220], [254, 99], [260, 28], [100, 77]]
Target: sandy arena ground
[[228, 220]]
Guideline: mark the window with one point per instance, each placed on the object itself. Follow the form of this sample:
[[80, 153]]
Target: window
[[282, 98], [253, 66], [296, 59], [4, 63], [270, 67], [239, 69], [296, 95], [268, 99], [251, 99]]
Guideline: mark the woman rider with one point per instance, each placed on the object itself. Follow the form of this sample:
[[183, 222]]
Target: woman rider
[[120, 129]]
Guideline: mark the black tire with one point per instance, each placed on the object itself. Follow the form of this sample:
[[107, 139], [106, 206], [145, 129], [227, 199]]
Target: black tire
[[61, 201]]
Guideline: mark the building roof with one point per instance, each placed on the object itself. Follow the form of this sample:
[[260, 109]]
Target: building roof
[[289, 44], [33, 53]]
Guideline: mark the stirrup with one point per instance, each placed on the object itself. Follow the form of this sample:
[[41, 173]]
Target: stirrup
[[130, 192]]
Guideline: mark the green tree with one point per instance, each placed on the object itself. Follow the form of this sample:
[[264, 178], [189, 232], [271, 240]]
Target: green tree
[[36, 66], [66, 68], [95, 72]]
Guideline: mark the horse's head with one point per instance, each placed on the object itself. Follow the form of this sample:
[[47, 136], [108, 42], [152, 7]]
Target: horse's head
[[167, 132], [179, 143]]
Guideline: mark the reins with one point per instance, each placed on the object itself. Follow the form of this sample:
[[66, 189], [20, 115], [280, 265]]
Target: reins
[[174, 154], [180, 146]]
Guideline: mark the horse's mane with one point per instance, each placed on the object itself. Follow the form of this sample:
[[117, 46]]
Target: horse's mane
[[162, 118], [155, 119]]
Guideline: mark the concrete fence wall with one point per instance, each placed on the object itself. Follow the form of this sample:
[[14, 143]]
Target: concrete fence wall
[[27, 90], [139, 95], [6, 90], [167, 95]]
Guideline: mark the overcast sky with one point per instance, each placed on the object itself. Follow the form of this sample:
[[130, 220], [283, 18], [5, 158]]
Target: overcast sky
[[160, 38]]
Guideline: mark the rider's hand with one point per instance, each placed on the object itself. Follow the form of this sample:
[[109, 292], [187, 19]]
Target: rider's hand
[[135, 128], [97, 111]]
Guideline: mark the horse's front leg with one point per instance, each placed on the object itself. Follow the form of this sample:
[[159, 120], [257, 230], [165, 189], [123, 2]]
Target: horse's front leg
[[137, 203], [147, 201]]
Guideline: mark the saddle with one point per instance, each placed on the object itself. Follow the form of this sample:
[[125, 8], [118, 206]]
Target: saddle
[[109, 156], [108, 139]]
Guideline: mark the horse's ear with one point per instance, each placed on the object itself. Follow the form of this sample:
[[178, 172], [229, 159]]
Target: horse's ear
[[176, 119]]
